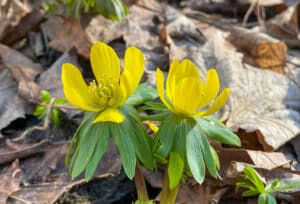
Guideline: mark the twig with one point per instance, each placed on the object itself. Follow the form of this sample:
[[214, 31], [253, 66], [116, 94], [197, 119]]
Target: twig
[[25, 152], [37, 127], [248, 13], [20, 199]]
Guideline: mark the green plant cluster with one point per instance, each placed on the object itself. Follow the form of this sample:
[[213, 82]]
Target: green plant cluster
[[254, 185], [47, 106], [112, 9]]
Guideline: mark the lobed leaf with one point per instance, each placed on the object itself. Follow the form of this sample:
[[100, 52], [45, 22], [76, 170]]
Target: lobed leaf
[[164, 138], [206, 152], [175, 169], [142, 94], [139, 137], [123, 141], [101, 147], [218, 131], [194, 156]]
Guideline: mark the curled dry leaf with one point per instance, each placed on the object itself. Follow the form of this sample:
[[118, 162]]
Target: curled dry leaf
[[24, 72], [285, 26], [12, 106], [262, 102], [265, 51], [11, 32], [102, 29], [66, 33]]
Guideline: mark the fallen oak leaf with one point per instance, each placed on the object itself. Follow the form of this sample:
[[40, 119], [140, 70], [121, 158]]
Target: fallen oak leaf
[[265, 51], [261, 102]]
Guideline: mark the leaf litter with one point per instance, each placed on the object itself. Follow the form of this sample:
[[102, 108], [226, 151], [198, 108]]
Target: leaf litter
[[264, 80]]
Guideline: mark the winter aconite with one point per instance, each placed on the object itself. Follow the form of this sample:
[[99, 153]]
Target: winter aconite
[[187, 94], [110, 89]]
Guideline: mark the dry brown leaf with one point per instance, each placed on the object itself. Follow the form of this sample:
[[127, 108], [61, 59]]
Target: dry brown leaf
[[265, 51], [261, 102], [66, 33], [19, 65], [143, 28], [24, 72], [11, 32], [103, 29], [285, 26], [10, 177], [12, 106], [181, 27], [265, 160]]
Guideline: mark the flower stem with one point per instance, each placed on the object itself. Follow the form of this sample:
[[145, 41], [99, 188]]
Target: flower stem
[[168, 196], [140, 184]]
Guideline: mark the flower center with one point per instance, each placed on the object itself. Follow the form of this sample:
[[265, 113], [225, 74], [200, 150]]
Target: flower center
[[105, 92]]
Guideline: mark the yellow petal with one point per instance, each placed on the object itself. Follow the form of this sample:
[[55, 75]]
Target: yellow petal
[[211, 87], [186, 100], [218, 104], [178, 72], [105, 62], [171, 80], [110, 115], [133, 71], [160, 79], [75, 88]]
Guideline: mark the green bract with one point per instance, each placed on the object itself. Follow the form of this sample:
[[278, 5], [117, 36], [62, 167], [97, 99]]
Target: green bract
[[188, 138], [91, 139]]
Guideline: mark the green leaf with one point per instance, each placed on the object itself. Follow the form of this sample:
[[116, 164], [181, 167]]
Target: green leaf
[[206, 152], [153, 106], [39, 111], [249, 193], [86, 142], [286, 187], [142, 94], [112, 9], [126, 148], [245, 184], [182, 129], [272, 186], [60, 101], [194, 156], [175, 169], [218, 131], [139, 137], [266, 199], [216, 157], [164, 139], [101, 146], [45, 96], [55, 113], [252, 175]]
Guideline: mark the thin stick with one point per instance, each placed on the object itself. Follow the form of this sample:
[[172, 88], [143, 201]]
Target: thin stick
[[37, 127], [248, 13]]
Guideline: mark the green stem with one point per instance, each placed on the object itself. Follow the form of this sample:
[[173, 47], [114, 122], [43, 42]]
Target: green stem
[[140, 184], [168, 196]]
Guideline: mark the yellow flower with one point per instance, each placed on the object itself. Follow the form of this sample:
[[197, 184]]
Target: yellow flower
[[110, 89], [187, 94]]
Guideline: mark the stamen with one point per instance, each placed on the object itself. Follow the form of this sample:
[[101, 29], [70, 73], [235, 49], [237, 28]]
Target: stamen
[[106, 92]]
